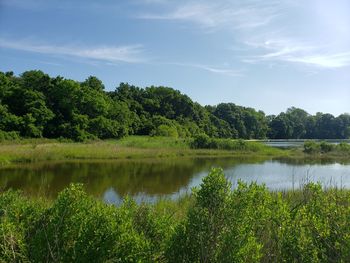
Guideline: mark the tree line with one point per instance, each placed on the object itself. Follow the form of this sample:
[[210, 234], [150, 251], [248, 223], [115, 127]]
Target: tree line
[[34, 104]]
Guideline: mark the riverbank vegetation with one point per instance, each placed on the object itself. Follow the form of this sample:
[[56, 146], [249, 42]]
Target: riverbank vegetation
[[323, 148], [35, 105], [133, 147], [213, 224], [153, 147]]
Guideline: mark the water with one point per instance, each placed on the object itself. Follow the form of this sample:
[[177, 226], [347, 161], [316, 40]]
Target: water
[[148, 180], [293, 143]]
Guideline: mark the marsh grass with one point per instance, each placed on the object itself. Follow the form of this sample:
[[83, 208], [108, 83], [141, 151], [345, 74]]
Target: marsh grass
[[132, 147]]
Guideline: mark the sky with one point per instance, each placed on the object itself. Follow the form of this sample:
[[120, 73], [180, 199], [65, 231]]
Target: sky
[[265, 54]]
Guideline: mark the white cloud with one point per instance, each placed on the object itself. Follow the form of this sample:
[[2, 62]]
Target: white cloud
[[269, 29], [338, 60], [283, 50], [225, 14], [213, 69], [128, 54]]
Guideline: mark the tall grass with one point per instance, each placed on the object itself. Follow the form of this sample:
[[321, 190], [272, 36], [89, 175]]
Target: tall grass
[[129, 147], [153, 142]]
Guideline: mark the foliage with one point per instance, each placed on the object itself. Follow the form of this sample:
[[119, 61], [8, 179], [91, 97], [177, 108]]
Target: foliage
[[16, 217], [217, 224], [312, 147], [37, 105], [298, 124], [8, 136], [202, 141]]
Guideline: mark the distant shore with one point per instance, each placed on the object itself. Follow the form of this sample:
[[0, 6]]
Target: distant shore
[[133, 147], [141, 147]]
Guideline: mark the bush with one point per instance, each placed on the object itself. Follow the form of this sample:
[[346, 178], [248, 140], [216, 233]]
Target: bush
[[78, 228], [16, 217], [201, 141], [343, 147], [196, 239], [318, 230], [326, 147], [311, 147], [165, 130], [8, 136], [246, 224]]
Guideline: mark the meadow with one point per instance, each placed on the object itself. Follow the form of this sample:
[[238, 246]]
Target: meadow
[[132, 147]]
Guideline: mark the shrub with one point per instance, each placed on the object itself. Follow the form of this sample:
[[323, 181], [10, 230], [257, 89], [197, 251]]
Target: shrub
[[16, 217], [318, 230], [343, 147], [78, 228], [326, 147], [246, 224], [166, 131], [196, 239], [255, 223], [201, 141], [8, 136], [311, 147]]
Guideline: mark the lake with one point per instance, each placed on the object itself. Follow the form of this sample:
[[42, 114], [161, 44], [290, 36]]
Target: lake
[[148, 180], [293, 143]]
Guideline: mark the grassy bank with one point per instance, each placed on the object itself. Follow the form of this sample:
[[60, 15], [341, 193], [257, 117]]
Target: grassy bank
[[128, 148], [213, 224]]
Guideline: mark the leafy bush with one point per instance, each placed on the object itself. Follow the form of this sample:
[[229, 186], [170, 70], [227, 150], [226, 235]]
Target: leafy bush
[[201, 141], [311, 147], [343, 147], [8, 136], [196, 239], [221, 224], [326, 147], [165, 130], [78, 228], [318, 230], [16, 217]]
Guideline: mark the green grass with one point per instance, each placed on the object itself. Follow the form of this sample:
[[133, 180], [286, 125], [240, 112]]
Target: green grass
[[133, 147], [153, 142]]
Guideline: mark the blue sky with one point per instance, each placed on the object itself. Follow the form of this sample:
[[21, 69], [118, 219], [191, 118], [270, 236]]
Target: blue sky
[[269, 54]]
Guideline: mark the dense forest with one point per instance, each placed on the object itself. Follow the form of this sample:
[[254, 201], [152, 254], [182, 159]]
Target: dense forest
[[37, 105]]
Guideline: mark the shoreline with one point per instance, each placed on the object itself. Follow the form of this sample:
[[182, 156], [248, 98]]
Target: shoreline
[[134, 147], [139, 148]]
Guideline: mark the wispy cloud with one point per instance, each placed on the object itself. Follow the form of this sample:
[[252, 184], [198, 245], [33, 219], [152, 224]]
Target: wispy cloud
[[283, 50], [337, 60], [209, 14], [212, 69], [257, 20], [152, 1], [128, 54]]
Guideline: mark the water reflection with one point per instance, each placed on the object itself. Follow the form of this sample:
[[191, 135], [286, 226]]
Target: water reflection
[[148, 180], [152, 177]]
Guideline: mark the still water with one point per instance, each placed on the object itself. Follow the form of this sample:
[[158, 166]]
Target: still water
[[148, 180], [294, 143]]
